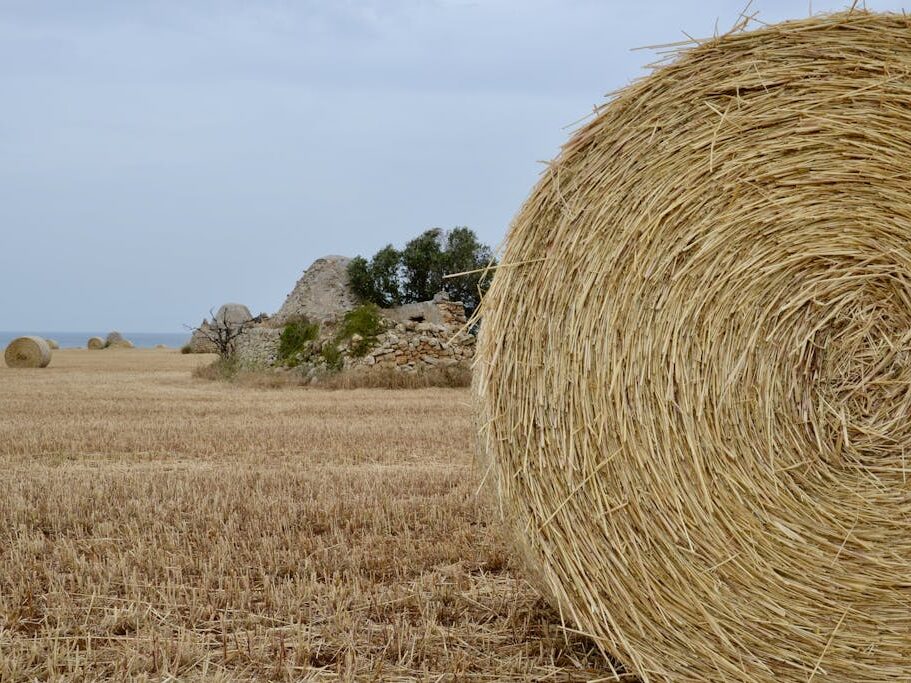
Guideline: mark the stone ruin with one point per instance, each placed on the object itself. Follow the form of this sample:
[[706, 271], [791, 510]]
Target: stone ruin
[[428, 334], [199, 341], [323, 293], [228, 315]]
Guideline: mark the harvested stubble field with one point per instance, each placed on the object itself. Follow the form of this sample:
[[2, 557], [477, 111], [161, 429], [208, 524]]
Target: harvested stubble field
[[156, 526]]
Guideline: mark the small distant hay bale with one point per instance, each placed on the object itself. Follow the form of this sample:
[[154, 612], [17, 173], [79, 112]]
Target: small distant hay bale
[[53, 344], [115, 340], [694, 366], [95, 343], [28, 352]]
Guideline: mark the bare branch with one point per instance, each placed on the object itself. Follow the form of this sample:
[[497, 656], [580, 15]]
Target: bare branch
[[223, 334]]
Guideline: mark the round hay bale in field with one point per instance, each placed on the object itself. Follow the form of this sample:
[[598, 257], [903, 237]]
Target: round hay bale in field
[[95, 343], [28, 352], [52, 344], [113, 339], [121, 344], [694, 372]]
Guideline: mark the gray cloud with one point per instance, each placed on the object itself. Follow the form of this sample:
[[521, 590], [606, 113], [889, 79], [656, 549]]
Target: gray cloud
[[160, 158]]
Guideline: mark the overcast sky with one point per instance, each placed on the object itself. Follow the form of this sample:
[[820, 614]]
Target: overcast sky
[[160, 158]]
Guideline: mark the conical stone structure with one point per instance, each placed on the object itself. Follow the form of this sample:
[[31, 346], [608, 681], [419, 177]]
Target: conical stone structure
[[322, 294]]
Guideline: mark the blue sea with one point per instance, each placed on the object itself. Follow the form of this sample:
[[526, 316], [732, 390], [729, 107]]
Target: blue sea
[[67, 340]]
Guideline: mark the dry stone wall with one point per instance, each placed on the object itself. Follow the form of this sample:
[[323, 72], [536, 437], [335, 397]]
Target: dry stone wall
[[258, 345], [200, 342], [427, 334], [407, 346], [412, 346]]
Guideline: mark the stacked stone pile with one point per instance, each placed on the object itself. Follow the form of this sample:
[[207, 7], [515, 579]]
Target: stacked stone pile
[[258, 345], [322, 294], [200, 342], [411, 346]]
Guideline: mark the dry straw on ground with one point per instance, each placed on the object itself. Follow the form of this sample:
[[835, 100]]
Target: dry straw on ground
[[696, 392], [95, 343], [28, 352], [155, 527]]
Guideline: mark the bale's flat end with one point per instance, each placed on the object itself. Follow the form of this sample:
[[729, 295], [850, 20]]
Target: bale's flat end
[[27, 352]]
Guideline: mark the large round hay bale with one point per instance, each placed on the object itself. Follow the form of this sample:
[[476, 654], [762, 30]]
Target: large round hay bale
[[28, 352], [694, 371], [95, 343], [52, 343]]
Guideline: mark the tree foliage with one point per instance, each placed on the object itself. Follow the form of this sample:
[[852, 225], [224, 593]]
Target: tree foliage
[[377, 280], [416, 273], [465, 253]]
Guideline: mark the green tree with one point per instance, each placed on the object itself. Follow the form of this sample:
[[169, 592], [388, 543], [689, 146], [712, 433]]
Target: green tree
[[384, 269], [360, 279], [416, 273], [423, 266], [464, 253], [377, 281]]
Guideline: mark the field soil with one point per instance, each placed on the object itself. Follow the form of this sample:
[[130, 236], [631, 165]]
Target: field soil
[[154, 526]]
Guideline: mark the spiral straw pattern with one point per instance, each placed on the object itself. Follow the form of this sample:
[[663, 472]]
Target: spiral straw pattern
[[694, 370]]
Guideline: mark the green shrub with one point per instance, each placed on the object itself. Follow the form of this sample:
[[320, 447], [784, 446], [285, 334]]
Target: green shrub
[[186, 348], [364, 321], [332, 356], [222, 369], [294, 340]]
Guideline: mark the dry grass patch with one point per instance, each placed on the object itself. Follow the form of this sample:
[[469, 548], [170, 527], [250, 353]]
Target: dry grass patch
[[388, 378], [153, 525]]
